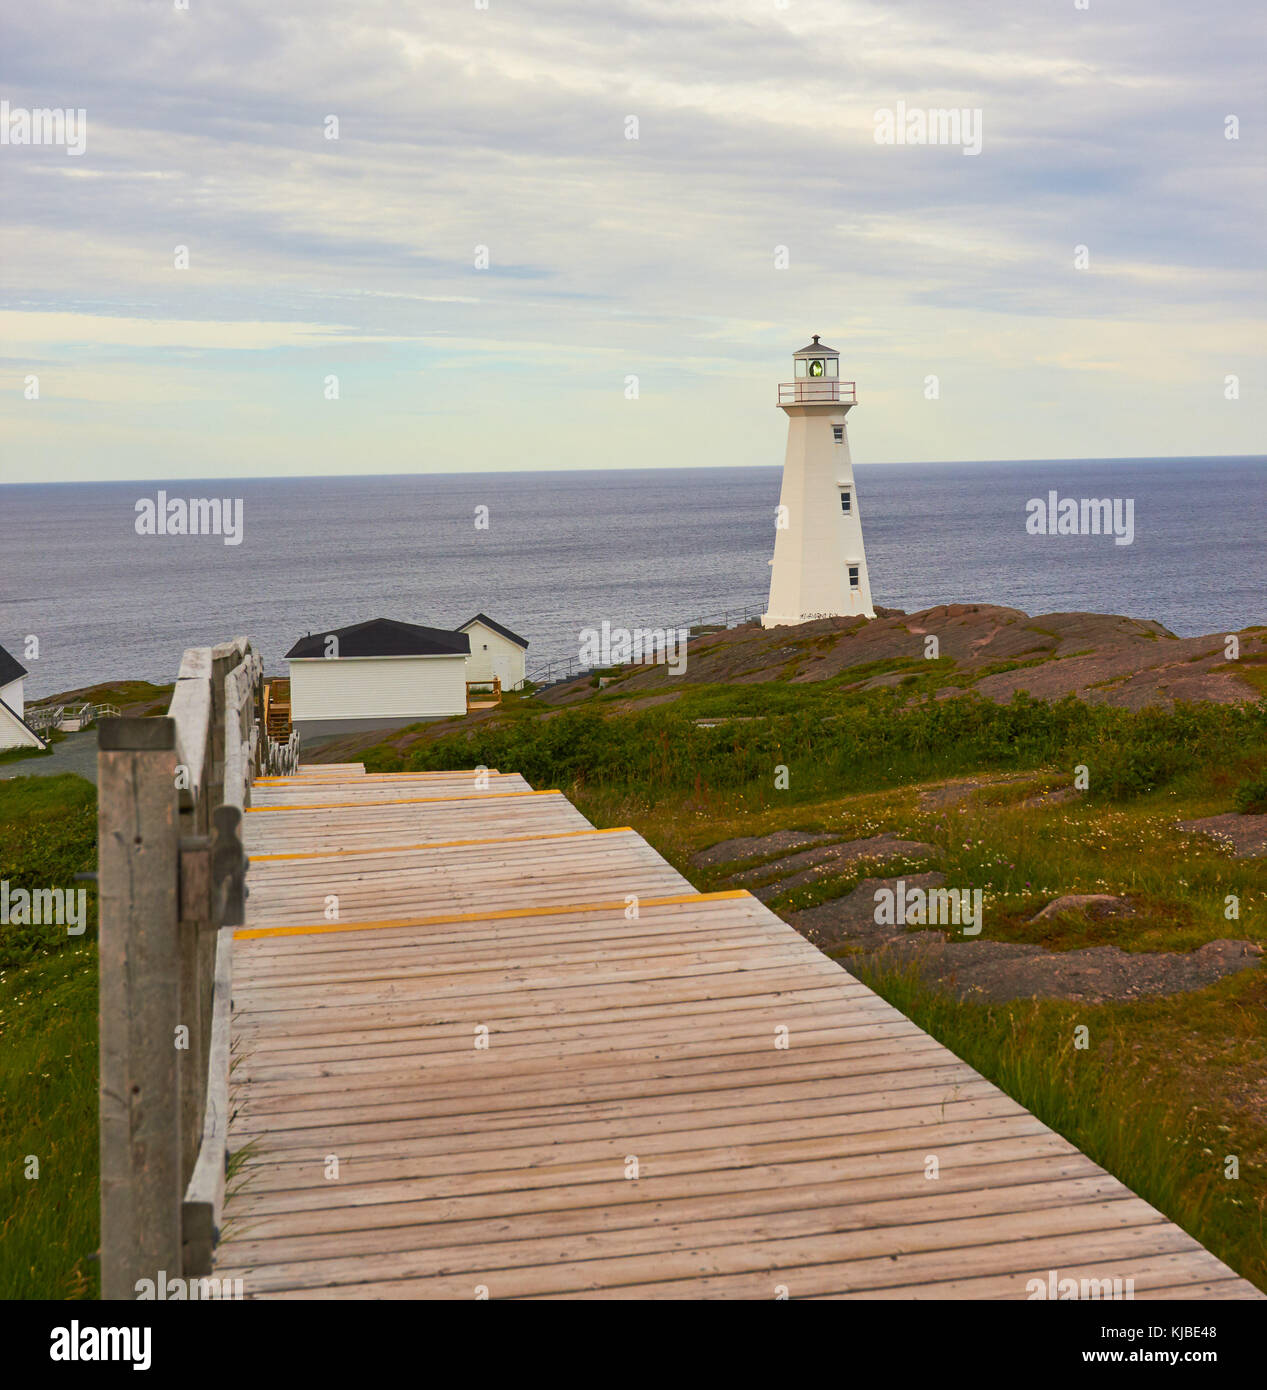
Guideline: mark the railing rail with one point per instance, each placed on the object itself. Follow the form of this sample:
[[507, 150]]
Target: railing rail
[[40, 717], [493, 688], [817, 391], [281, 759], [171, 877], [560, 669]]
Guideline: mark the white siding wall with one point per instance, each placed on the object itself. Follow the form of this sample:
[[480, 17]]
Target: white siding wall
[[813, 551], [377, 687], [503, 658], [11, 694]]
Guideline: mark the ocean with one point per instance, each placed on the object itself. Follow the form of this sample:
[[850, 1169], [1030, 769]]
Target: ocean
[[564, 550]]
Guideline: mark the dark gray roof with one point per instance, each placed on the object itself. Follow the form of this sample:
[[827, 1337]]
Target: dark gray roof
[[385, 637], [10, 667], [497, 627], [816, 346]]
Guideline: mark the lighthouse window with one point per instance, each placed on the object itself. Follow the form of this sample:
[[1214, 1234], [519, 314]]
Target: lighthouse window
[[838, 434], [846, 502], [853, 576]]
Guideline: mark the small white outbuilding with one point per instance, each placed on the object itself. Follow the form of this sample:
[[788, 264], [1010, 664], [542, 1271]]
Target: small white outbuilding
[[14, 731], [380, 674], [496, 652]]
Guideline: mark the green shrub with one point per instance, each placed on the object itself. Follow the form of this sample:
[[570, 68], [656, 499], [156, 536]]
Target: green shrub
[[1250, 798], [835, 742]]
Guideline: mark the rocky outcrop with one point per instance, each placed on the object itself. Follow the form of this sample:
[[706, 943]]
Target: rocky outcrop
[[996, 651], [997, 971]]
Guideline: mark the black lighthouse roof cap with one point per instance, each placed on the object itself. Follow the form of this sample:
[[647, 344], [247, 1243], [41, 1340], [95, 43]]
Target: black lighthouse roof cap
[[816, 349]]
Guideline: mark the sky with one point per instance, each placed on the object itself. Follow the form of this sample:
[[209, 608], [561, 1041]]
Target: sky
[[637, 300]]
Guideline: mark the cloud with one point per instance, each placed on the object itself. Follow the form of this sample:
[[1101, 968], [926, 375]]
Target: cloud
[[506, 128]]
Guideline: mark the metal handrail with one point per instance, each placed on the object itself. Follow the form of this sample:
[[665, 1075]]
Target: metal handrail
[[560, 669], [817, 391]]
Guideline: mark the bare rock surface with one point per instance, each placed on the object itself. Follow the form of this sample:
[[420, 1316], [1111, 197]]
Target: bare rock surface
[[1061, 796], [810, 866], [1099, 657], [1247, 835], [996, 971], [1095, 905], [752, 846], [961, 789]]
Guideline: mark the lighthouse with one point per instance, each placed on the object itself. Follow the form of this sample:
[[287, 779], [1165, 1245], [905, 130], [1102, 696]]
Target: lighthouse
[[819, 568]]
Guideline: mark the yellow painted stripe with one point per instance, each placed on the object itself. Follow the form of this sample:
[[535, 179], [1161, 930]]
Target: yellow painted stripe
[[356, 779], [321, 928], [442, 844], [398, 801]]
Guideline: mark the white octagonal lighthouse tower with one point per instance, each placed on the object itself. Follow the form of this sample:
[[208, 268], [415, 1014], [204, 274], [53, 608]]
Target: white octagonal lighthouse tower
[[819, 568]]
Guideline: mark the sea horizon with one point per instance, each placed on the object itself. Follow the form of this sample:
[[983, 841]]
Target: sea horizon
[[171, 482], [565, 549]]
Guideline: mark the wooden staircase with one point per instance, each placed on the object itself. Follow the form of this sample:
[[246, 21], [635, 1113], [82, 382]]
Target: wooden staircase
[[277, 709]]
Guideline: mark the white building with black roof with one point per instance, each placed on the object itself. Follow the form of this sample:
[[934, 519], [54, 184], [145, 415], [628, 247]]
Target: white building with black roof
[[496, 652], [14, 731], [380, 674]]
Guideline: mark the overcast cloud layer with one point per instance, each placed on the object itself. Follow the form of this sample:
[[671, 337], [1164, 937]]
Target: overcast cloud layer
[[609, 257]]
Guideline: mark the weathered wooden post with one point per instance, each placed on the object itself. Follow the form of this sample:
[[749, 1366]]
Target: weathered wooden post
[[139, 993]]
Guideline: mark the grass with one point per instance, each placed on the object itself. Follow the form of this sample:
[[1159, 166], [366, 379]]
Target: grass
[[48, 1051], [130, 697], [830, 739], [48, 1077], [15, 755]]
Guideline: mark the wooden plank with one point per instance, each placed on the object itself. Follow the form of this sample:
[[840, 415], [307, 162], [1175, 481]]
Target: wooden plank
[[505, 1244], [398, 801], [529, 1268], [386, 851], [547, 909], [616, 1200]]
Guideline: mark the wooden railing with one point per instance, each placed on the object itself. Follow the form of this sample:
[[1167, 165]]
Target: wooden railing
[[41, 717], [171, 880], [493, 690], [277, 721]]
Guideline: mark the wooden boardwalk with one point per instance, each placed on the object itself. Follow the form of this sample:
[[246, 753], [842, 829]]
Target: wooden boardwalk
[[693, 1103]]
